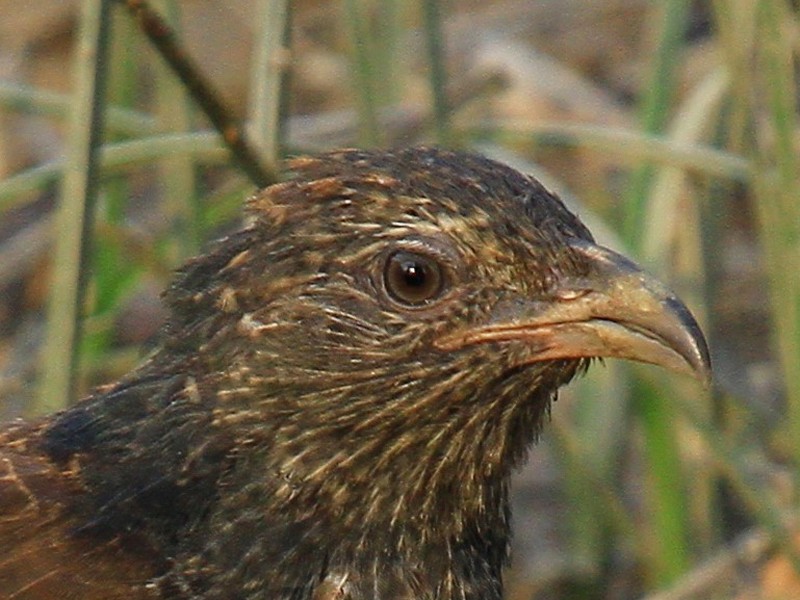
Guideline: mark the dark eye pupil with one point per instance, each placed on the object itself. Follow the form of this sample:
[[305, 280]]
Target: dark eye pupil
[[412, 279], [414, 274]]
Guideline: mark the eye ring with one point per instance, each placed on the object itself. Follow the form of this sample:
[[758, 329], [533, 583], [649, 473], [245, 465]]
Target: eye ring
[[412, 278]]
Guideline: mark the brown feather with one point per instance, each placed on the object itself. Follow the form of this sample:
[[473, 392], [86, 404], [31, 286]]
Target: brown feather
[[43, 556]]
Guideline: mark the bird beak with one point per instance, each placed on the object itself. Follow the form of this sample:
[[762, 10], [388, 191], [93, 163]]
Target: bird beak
[[616, 310]]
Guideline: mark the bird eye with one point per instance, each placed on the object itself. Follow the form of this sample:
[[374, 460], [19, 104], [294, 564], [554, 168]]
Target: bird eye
[[411, 278]]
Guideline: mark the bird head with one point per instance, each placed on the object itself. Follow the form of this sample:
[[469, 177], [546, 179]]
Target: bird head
[[345, 384], [412, 311]]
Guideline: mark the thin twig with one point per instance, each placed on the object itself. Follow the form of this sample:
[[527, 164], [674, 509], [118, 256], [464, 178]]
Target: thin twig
[[221, 116]]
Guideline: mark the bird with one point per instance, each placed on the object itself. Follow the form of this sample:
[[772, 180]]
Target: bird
[[339, 394]]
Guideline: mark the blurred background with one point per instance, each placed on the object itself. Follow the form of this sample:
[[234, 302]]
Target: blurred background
[[669, 126]]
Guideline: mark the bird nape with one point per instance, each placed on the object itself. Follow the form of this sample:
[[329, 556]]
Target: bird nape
[[340, 393]]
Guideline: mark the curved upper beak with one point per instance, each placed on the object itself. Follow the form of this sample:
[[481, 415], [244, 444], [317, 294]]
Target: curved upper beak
[[616, 310]]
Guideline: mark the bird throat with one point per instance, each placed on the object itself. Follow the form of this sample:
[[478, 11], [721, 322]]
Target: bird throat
[[368, 515], [372, 504]]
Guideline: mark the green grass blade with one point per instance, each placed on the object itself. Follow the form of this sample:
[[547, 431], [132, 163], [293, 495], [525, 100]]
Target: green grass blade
[[434, 38], [777, 193], [181, 203], [365, 76], [268, 79], [117, 120], [655, 106], [73, 223], [202, 146]]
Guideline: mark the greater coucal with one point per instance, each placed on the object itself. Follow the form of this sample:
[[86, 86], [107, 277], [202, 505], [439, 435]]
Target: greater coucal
[[340, 394]]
